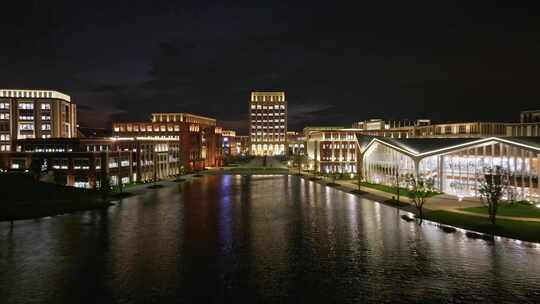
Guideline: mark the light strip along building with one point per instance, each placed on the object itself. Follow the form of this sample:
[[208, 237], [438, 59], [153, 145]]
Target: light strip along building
[[35, 114], [455, 164], [268, 123]]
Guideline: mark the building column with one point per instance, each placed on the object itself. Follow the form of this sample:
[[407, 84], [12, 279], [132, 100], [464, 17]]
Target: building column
[[440, 171], [416, 163]]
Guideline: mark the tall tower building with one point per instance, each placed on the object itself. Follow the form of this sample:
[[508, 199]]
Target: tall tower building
[[35, 114], [268, 123]]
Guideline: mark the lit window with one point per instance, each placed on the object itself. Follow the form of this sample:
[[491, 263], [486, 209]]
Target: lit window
[[45, 106], [26, 127], [26, 106], [46, 127]]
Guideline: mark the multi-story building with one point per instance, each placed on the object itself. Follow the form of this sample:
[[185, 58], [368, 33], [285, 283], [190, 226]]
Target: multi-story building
[[199, 136], [529, 126], [83, 162], [381, 124], [331, 149], [296, 143], [242, 145], [233, 144], [268, 123], [35, 114], [228, 142]]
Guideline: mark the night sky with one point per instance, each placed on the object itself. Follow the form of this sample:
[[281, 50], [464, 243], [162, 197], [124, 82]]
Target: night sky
[[122, 60]]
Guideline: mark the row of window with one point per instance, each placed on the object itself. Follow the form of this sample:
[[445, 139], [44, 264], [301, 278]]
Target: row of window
[[338, 146], [334, 136], [260, 107], [328, 158], [26, 127], [268, 114], [259, 121], [29, 106], [253, 127], [4, 137], [30, 127], [268, 98], [149, 128], [5, 148]]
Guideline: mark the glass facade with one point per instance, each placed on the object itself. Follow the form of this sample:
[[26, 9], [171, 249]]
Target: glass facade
[[458, 171]]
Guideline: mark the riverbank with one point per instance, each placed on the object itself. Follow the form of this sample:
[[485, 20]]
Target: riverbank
[[25, 198], [514, 228], [247, 170]]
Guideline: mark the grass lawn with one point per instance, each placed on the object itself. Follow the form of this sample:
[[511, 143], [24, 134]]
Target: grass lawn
[[516, 209], [522, 230], [392, 190]]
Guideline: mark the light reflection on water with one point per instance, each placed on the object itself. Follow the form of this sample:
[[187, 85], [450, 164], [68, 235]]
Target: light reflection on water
[[260, 239]]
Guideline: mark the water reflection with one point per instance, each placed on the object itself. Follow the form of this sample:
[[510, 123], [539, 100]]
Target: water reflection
[[260, 239]]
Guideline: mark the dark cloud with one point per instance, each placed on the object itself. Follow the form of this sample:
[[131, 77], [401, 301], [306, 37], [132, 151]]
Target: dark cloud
[[338, 64]]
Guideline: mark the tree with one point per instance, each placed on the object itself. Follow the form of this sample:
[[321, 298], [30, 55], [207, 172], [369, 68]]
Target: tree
[[36, 167], [359, 171], [420, 189], [397, 183], [299, 160], [121, 186], [396, 161], [181, 163], [333, 177], [104, 186], [491, 189]]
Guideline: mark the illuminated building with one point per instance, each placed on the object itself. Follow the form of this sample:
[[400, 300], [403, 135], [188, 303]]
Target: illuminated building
[[228, 142], [529, 126], [241, 145], [83, 162], [455, 164], [200, 138], [268, 123], [296, 143], [331, 149], [35, 114]]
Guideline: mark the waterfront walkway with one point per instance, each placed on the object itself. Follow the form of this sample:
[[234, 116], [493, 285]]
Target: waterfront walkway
[[439, 202]]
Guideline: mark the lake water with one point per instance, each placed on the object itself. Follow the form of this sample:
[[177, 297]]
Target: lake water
[[256, 239]]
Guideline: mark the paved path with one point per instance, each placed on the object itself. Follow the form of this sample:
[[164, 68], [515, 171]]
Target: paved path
[[439, 202]]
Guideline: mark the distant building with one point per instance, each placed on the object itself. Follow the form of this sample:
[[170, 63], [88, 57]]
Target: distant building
[[296, 143], [268, 123], [529, 126], [381, 124], [228, 142], [35, 114], [530, 116], [200, 138], [331, 149], [242, 145]]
